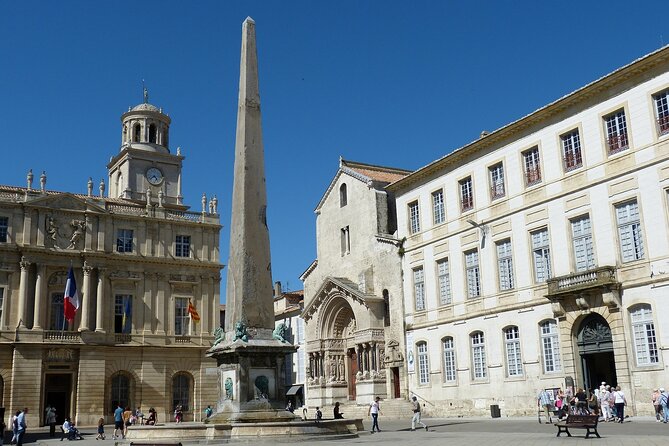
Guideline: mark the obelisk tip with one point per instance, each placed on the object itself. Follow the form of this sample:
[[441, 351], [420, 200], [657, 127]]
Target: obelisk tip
[[249, 20]]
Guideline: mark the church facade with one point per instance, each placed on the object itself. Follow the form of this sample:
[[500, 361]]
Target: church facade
[[352, 292], [537, 257], [140, 257]]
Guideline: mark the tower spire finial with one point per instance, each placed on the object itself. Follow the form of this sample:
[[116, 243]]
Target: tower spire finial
[[146, 92]]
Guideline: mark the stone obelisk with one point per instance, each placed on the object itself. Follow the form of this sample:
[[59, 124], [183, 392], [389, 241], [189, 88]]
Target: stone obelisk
[[251, 356]]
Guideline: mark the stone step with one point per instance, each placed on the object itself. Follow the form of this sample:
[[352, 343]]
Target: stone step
[[396, 409]]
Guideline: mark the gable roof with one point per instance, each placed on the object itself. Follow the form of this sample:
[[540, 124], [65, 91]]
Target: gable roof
[[370, 174]]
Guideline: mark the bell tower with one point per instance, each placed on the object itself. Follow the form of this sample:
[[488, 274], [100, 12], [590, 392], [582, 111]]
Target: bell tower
[[145, 162]]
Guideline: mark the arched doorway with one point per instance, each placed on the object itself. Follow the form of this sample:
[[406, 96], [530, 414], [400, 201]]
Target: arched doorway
[[595, 347]]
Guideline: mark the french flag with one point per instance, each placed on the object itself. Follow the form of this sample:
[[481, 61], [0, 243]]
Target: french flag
[[71, 301]]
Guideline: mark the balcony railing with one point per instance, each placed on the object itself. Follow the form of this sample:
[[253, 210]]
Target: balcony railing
[[467, 203], [572, 283], [572, 161], [617, 143], [182, 339], [120, 338], [497, 191], [62, 336], [532, 176]]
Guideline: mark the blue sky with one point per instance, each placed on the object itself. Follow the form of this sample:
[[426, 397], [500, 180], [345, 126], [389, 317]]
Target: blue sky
[[390, 83]]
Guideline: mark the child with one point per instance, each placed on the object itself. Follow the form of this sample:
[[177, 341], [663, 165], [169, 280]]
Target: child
[[319, 415], [101, 429]]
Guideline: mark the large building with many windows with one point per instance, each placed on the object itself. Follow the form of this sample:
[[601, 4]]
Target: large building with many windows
[[537, 256], [140, 258]]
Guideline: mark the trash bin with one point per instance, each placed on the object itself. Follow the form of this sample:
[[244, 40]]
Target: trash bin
[[494, 411]]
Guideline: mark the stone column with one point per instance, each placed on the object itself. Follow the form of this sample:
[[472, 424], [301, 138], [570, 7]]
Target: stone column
[[161, 312], [358, 354], [86, 298], [149, 300], [40, 295], [23, 292], [99, 311]]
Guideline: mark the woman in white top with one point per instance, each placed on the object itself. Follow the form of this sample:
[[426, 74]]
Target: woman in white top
[[619, 401]]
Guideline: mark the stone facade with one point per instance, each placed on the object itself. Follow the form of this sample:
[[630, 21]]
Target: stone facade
[[139, 257], [353, 296], [288, 306], [537, 256]]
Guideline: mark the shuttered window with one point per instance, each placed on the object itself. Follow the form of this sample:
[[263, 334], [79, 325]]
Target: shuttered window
[[541, 255], [581, 233], [629, 231]]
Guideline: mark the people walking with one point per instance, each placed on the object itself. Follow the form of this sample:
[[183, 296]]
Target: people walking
[[50, 420], [374, 410], [620, 402], [664, 404], [416, 415], [15, 427], [22, 426], [544, 402], [655, 398], [101, 429], [604, 403], [126, 417], [118, 421]]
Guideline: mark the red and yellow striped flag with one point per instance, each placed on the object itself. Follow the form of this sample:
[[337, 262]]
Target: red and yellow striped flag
[[193, 312]]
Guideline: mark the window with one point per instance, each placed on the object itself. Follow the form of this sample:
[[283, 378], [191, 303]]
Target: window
[[444, 278], [120, 390], [505, 265], [181, 391], [122, 313], [514, 363], [138, 133], [473, 273], [550, 345], [466, 195], [532, 168], [386, 309], [152, 133], [4, 224], [616, 132], [581, 233], [124, 240], [449, 359], [438, 206], [629, 231], [541, 255], [423, 364], [345, 241], [419, 288], [343, 197], [57, 316], [662, 112], [181, 318], [645, 343], [497, 181], [478, 355], [182, 246], [571, 150], [414, 218], [2, 301]]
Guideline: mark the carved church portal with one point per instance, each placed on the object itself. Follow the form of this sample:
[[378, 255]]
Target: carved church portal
[[58, 394], [352, 371], [595, 346]]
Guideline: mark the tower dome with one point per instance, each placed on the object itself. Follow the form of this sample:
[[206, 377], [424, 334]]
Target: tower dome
[[146, 127]]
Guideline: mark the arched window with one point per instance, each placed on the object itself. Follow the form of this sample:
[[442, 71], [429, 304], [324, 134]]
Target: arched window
[[137, 133], [478, 355], [423, 363], [120, 390], [57, 316], [386, 309], [343, 198], [181, 388], [449, 359], [645, 342], [152, 133], [550, 346], [514, 363]]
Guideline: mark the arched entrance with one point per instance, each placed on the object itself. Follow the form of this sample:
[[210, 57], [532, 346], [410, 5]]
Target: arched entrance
[[595, 347]]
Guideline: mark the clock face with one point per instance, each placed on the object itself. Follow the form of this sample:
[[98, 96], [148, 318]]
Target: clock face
[[154, 175]]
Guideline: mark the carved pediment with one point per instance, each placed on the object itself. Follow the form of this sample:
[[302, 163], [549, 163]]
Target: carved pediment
[[66, 202], [342, 286]]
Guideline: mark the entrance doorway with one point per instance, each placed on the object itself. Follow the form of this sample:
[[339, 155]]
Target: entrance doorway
[[595, 346], [58, 394], [396, 381], [352, 372]]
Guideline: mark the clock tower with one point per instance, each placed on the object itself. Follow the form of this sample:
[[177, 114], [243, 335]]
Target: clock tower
[[145, 162]]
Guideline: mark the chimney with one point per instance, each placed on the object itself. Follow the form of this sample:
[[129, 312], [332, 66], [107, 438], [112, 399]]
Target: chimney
[[277, 289]]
